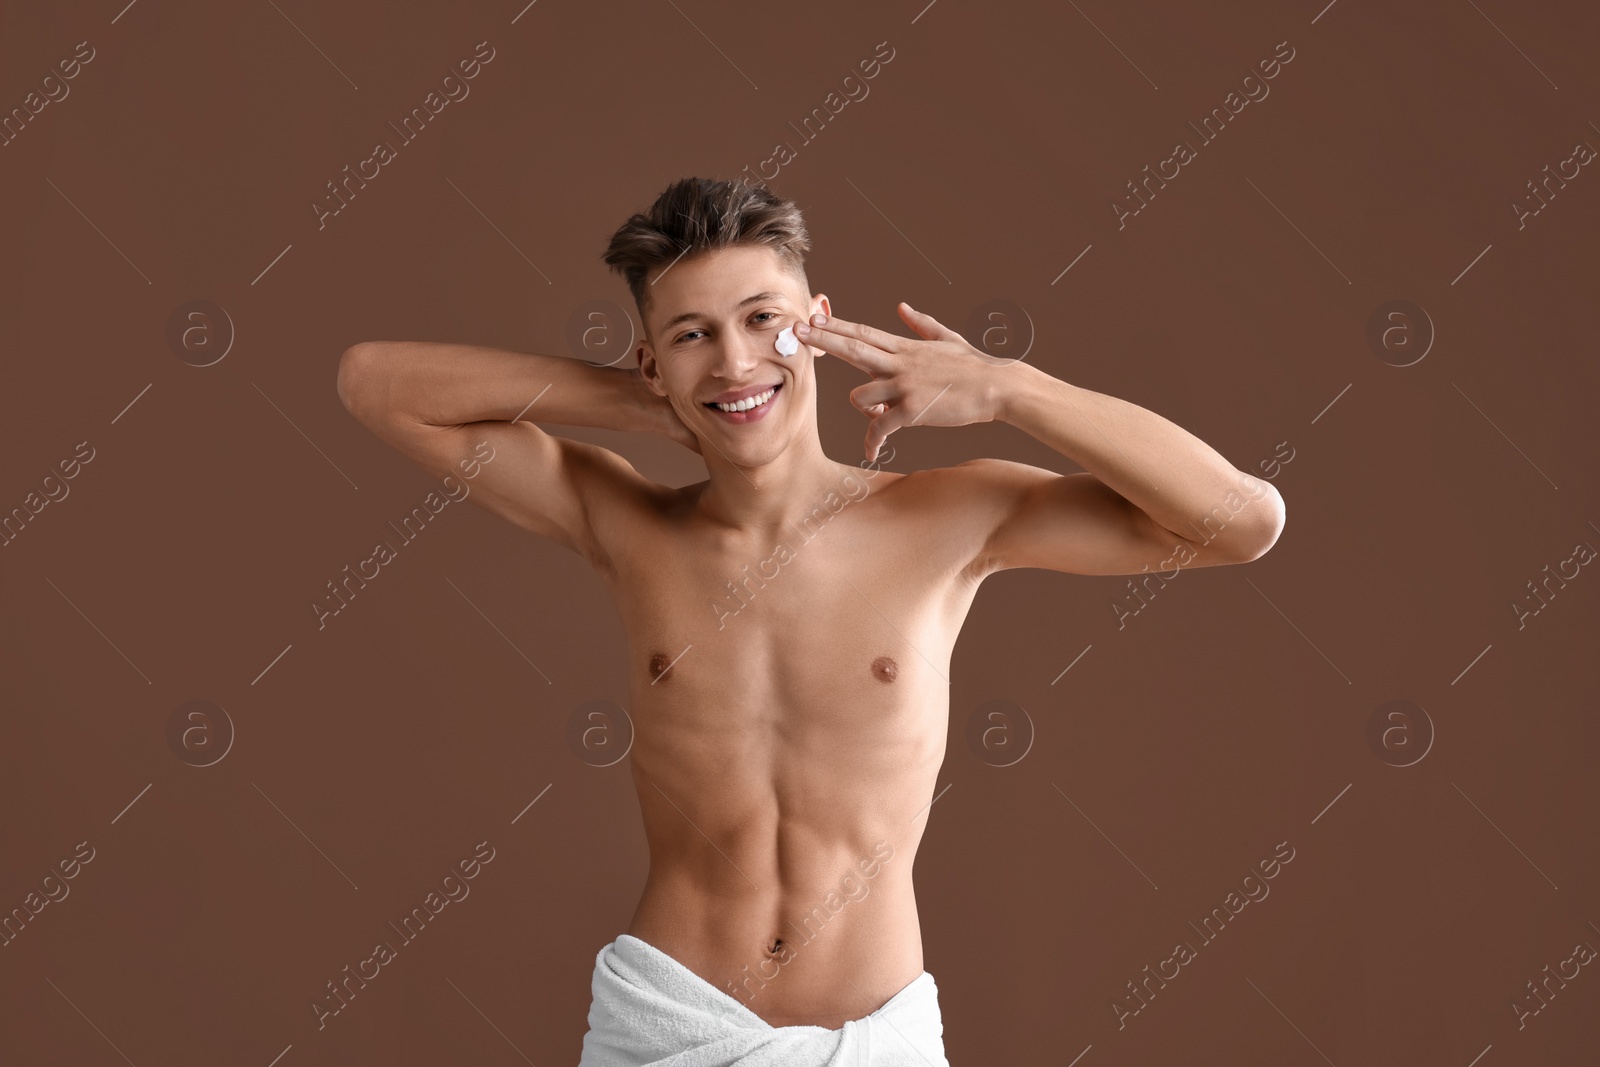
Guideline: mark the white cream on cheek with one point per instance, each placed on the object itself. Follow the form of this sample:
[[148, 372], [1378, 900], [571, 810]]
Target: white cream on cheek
[[786, 343]]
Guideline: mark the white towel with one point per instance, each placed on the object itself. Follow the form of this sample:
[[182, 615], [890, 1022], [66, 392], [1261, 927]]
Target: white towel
[[649, 1008]]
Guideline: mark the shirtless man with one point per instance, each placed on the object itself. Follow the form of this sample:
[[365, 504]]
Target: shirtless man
[[790, 619]]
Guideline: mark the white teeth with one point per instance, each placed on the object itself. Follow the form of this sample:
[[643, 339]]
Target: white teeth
[[749, 402]]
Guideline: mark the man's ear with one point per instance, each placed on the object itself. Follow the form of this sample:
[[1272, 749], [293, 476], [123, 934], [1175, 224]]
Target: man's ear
[[648, 369], [819, 303]]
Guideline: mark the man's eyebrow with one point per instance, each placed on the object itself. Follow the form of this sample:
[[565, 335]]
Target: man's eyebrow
[[687, 315]]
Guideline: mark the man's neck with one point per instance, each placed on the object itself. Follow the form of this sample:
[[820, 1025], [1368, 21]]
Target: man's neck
[[773, 497]]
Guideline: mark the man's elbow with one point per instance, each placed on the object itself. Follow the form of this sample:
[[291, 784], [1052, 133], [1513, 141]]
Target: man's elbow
[[1268, 528], [354, 381]]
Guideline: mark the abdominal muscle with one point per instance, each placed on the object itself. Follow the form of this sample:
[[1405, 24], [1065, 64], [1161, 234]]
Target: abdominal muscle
[[781, 871]]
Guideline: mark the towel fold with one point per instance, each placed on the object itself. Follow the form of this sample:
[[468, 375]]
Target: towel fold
[[649, 1009]]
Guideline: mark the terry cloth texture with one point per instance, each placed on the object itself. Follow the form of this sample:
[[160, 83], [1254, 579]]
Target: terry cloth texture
[[649, 1009]]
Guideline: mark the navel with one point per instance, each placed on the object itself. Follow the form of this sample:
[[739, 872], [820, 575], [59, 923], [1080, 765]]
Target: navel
[[884, 669]]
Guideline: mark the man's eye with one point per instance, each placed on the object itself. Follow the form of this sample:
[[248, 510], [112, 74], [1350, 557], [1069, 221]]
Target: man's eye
[[768, 314], [686, 336]]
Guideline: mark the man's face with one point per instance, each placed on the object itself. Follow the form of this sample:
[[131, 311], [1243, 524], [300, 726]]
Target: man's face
[[709, 335]]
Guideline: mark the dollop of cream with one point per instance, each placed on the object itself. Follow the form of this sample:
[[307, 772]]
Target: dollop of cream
[[786, 343]]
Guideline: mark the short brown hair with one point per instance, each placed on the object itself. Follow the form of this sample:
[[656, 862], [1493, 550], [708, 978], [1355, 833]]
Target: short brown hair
[[695, 215]]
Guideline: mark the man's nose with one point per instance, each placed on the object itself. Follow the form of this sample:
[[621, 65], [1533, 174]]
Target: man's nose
[[741, 354]]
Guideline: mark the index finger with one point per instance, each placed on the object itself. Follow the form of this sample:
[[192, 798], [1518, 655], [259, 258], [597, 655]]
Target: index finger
[[860, 345]]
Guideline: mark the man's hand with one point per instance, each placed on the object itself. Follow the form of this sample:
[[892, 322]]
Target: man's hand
[[661, 416], [936, 379]]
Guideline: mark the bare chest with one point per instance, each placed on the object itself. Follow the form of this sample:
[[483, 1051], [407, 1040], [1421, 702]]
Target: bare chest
[[819, 624]]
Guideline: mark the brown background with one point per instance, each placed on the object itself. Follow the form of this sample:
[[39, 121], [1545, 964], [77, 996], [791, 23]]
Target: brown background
[[1177, 752]]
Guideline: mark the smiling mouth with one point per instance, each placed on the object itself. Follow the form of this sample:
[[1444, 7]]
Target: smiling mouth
[[750, 403]]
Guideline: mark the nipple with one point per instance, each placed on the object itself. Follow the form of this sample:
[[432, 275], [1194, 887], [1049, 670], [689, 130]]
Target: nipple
[[884, 669], [659, 664], [786, 343]]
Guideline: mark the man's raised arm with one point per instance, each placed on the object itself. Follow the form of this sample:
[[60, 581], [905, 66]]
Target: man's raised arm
[[1152, 495], [436, 403]]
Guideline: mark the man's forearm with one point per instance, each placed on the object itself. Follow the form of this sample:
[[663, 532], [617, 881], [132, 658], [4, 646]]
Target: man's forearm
[[1155, 464], [449, 384]]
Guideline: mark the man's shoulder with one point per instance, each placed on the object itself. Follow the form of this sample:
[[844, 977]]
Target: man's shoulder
[[981, 475]]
